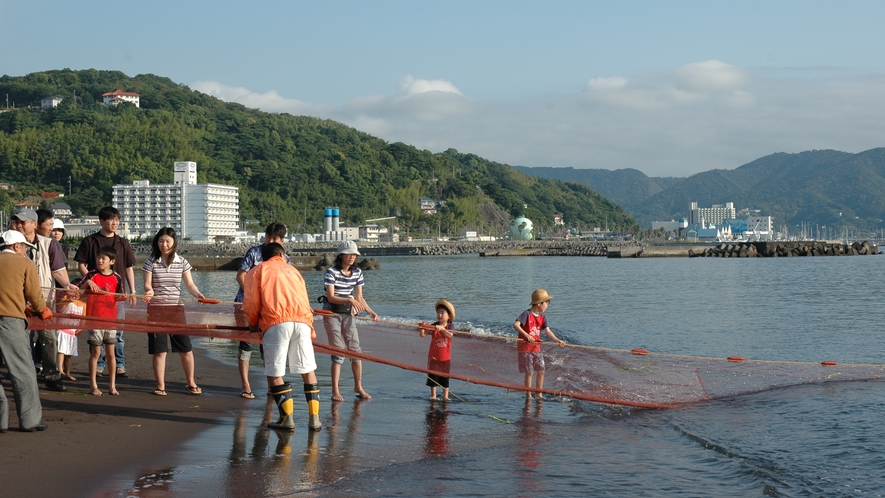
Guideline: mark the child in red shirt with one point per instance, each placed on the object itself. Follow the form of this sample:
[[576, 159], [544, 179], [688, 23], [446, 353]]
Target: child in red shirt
[[440, 355], [529, 326], [104, 288]]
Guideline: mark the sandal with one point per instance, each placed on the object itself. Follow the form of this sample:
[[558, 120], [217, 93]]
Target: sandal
[[160, 392], [195, 390], [247, 395]]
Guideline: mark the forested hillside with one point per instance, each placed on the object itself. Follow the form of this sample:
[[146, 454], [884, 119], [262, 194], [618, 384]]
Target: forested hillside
[[287, 167], [822, 187], [627, 187]]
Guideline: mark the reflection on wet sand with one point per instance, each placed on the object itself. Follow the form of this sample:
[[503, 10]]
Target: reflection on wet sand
[[437, 443], [531, 436], [340, 442]]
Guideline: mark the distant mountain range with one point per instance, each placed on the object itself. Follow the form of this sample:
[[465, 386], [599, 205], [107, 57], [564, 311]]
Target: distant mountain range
[[824, 187]]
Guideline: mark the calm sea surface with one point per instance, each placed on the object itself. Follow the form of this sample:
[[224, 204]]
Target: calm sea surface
[[806, 440]]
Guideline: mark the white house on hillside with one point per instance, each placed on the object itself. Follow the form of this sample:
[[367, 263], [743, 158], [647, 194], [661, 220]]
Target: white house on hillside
[[117, 96]]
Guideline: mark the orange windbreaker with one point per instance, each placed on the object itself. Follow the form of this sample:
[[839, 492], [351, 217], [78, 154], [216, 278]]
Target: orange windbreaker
[[275, 293]]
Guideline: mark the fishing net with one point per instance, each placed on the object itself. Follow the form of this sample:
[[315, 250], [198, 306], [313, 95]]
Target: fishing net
[[634, 378]]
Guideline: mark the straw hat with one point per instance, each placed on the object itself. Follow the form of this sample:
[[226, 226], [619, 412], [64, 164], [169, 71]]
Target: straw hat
[[540, 296], [448, 306]]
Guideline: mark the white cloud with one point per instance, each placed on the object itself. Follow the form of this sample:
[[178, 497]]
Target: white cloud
[[411, 86], [269, 101], [679, 122], [710, 75], [602, 83]]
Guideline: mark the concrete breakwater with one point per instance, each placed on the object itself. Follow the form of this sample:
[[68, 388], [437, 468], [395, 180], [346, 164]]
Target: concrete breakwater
[[319, 256], [785, 249]]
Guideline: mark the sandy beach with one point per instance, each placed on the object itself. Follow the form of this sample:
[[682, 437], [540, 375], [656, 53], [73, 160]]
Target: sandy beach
[[90, 437]]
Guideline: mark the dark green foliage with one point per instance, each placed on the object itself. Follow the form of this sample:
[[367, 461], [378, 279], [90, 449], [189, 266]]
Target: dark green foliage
[[287, 167]]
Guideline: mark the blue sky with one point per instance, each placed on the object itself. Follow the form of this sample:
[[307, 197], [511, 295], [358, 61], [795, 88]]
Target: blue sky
[[668, 88]]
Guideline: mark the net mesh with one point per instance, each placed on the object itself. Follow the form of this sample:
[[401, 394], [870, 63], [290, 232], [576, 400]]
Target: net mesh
[[619, 377]]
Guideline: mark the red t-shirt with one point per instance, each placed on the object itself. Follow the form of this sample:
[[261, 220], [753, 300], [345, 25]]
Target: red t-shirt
[[440, 345], [103, 305], [533, 325]]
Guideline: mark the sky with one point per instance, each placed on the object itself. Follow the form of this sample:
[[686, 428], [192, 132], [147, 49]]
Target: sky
[[669, 88]]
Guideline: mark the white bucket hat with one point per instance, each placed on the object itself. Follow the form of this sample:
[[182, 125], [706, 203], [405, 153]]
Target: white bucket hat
[[57, 224], [348, 247]]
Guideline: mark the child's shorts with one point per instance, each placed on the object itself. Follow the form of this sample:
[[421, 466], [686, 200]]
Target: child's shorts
[[531, 362], [438, 366], [98, 337]]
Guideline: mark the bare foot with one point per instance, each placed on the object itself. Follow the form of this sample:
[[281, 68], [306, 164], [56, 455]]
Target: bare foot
[[446, 398], [114, 392], [337, 397], [96, 392], [69, 377]]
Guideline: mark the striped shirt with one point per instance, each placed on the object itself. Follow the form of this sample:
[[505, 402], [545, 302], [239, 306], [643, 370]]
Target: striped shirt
[[166, 281], [343, 284]]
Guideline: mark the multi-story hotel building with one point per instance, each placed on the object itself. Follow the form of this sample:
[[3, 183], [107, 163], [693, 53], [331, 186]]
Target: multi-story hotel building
[[714, 215], [201, 213]]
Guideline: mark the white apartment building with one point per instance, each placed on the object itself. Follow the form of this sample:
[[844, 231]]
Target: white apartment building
[[714, 215], [196, 212]]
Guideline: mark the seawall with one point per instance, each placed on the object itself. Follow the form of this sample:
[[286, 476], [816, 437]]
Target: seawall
[[316, 256]]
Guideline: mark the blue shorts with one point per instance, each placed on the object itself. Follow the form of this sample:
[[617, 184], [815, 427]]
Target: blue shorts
[[531, 362]]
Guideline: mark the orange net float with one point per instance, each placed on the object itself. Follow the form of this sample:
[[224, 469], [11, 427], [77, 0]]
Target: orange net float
[[639, 352], [323, 312], [736, 359], [425, 326], [207, 300], [829, 363]]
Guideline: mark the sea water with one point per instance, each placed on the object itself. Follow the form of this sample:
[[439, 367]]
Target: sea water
[[805, 440]]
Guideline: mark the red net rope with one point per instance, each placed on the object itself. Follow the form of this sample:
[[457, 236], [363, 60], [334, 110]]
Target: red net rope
[[616, 377]]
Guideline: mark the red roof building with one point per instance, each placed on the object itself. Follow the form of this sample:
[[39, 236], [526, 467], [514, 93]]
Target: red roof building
[[117, 96]]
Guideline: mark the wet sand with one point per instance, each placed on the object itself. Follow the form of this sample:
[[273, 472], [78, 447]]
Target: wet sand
[[90, 438]]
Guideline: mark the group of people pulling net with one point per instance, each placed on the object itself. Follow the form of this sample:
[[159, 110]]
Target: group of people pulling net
[[634, 378]]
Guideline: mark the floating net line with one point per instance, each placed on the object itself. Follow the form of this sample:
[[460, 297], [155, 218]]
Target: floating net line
[[634, 378]]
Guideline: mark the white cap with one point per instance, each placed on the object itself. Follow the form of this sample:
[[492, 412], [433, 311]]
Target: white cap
[[348, 247], [57, 224], [11, 237]]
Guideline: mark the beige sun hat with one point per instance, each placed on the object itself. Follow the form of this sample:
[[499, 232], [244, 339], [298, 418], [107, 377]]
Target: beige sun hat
[[448, 306], [540, 296]]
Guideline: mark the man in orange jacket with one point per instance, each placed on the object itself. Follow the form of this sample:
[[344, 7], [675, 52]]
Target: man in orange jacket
[[275, 302]]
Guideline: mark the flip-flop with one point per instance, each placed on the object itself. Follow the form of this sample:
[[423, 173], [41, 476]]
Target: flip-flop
[[160, 392], [363, 396], [247, 395], [195, 390]]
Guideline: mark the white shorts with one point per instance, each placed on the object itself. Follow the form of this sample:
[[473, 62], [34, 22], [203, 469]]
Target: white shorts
[[290, 339]]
